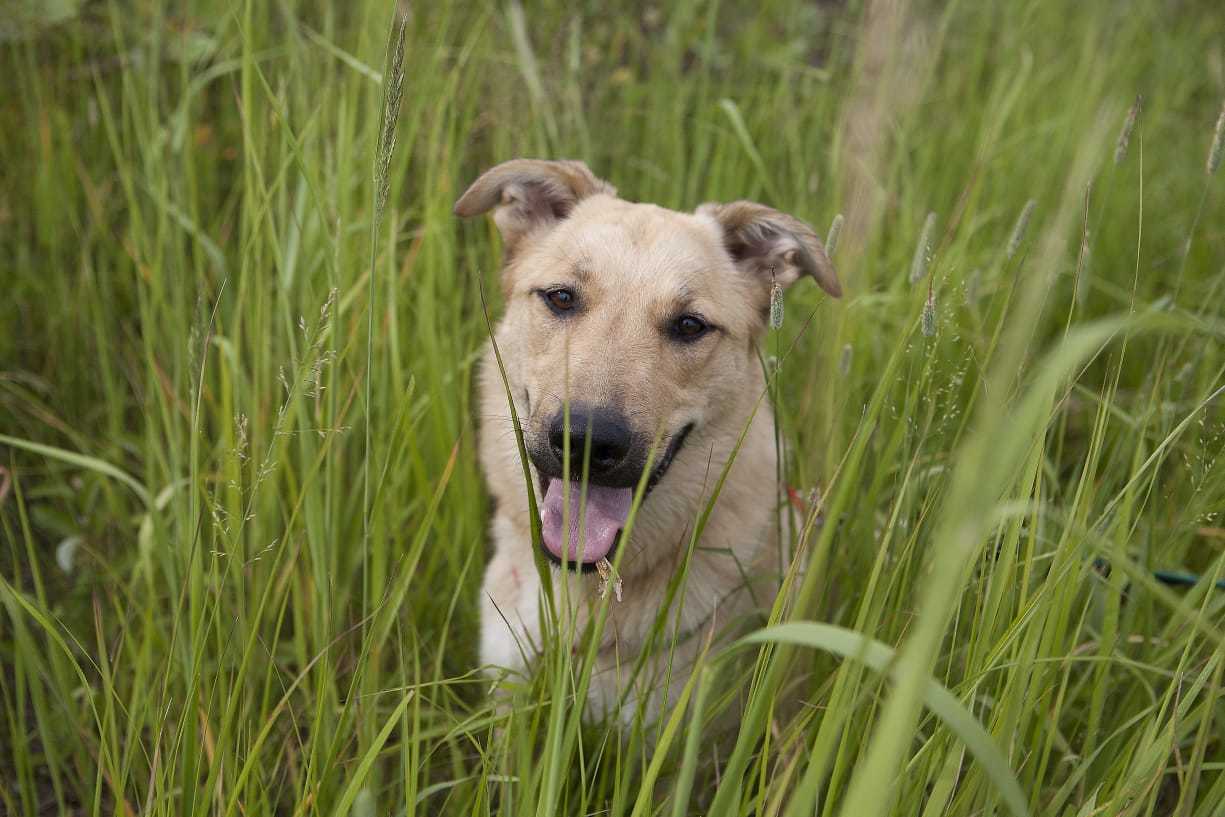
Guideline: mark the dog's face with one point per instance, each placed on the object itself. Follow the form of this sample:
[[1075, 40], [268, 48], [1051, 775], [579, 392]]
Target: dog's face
[[642, 321]]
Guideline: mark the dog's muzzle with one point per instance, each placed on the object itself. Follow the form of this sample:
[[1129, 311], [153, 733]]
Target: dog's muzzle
[[582, 524]]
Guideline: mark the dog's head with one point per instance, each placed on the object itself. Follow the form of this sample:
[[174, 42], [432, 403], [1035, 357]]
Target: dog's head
[[642, 320]]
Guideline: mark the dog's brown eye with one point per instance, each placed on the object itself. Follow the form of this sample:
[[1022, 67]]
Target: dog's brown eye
[[689, 327], [560, 299]]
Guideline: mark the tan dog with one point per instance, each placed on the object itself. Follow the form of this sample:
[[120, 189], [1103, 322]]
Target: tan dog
[[654, 317]]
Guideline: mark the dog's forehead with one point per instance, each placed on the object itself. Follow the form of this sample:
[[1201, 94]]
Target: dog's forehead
[[643, 245]]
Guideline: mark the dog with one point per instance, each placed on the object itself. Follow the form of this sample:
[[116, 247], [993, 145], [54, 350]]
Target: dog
[[643, 323]]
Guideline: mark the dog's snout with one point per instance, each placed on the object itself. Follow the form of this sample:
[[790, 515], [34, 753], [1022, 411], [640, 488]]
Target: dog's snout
[[606, 431]]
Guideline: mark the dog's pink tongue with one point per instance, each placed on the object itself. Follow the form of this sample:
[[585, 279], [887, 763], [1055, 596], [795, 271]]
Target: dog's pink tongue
[[605, 514]]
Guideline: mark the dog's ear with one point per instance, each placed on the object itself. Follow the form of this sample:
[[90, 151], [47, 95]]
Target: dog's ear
[[772, 246], [528, 194]]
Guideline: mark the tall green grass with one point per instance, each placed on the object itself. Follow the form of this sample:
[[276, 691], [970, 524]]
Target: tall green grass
[[242, 524]]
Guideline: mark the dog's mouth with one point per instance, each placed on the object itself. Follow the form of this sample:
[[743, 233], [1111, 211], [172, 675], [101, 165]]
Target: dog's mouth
[[598, 527]]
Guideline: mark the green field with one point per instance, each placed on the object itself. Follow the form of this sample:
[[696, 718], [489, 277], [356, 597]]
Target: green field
[[242, 528]]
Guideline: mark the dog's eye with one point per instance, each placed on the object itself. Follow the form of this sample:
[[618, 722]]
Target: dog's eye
[[689, 327], [560, 299]]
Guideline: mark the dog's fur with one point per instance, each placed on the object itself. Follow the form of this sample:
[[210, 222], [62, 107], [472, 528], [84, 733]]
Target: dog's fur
[[635, 267]]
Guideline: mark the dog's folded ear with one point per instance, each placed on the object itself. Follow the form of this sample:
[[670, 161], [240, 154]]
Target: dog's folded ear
[[771, 245], [528, 194]]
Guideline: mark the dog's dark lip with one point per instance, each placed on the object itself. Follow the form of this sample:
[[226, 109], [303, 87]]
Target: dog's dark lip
[[657, 474], [665, 462]]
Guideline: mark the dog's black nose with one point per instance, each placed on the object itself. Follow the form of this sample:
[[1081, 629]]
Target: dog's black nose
[[610, 437]]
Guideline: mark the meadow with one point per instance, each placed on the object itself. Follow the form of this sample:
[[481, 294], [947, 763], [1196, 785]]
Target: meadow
[[242, 527]]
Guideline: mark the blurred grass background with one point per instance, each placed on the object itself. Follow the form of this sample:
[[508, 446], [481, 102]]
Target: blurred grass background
[[241, 548]]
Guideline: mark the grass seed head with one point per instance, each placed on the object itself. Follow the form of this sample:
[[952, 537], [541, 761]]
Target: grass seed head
[[393, 92], [923, 252], [776, 306], [1218, 144], [1018, 230], [929, 315], [1133, 113], [609, 580], [831, 240], [241, 435]]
